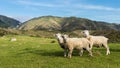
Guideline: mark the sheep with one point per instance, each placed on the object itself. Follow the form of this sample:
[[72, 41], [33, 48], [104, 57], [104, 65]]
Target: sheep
[[97, 41], [76, 43], [61, 43], [13, 39]]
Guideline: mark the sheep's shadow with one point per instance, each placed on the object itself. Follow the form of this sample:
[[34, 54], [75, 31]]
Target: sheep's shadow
[[111, 49], [52, 53], [40, 52], [56, 53], [115, 50]]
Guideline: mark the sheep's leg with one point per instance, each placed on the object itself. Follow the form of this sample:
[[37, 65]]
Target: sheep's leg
[[81, 52], [70, 53], [91, 46], [107, 49], [90, 51], [65, 52]]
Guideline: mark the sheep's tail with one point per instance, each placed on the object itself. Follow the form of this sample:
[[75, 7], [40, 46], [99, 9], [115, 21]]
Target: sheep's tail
[[107, 38]]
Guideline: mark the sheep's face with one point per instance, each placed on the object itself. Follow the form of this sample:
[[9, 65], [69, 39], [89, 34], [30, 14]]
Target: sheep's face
[[59, 37], [85, 33]]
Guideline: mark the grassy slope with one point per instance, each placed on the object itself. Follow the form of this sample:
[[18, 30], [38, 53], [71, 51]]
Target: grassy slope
[[44, 22], [33, 52]]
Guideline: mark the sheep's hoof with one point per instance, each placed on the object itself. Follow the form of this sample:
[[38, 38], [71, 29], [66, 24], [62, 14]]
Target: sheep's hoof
[[107, 53]]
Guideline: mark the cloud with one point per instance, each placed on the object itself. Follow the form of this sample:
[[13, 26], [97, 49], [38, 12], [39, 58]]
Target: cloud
[[67, 4], [30, 3], [97, 7], [110, 18], [21, 18]]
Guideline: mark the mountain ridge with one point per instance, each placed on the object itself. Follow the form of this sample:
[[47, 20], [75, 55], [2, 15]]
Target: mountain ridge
[[7, 22], [66, 24]]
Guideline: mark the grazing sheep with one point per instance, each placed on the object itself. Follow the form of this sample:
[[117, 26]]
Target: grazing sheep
[[61, 43], [76, 43], [97, 41], [13, 39]]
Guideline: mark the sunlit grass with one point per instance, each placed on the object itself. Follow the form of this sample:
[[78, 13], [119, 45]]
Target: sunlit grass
[[35, 52]]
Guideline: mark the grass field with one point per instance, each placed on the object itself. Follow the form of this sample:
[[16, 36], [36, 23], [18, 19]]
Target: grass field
[[34, 52]]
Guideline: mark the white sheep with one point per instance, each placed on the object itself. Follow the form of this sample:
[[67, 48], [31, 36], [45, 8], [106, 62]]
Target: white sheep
[[13, 39], [76, 43], [61, 43], [97, 41]]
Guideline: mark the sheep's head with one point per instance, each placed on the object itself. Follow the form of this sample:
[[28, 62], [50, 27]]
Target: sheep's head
[[59, 37], [65, 36], [85, 33]]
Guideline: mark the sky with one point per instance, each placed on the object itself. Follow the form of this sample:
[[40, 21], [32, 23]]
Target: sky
[[99, 10]]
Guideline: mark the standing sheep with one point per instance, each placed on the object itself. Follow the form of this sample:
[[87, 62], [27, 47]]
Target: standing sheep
[[61, 43], [97, 41], [76, 43]]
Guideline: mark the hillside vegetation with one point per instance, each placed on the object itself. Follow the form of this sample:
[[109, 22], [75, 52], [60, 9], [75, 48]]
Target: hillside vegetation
[[52, 23], [114, 36], [42, 23]]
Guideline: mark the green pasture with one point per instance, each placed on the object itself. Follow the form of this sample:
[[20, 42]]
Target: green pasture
[[35, 52]]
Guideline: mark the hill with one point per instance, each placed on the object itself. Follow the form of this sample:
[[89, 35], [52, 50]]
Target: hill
[[51, 23], [7, 22]]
